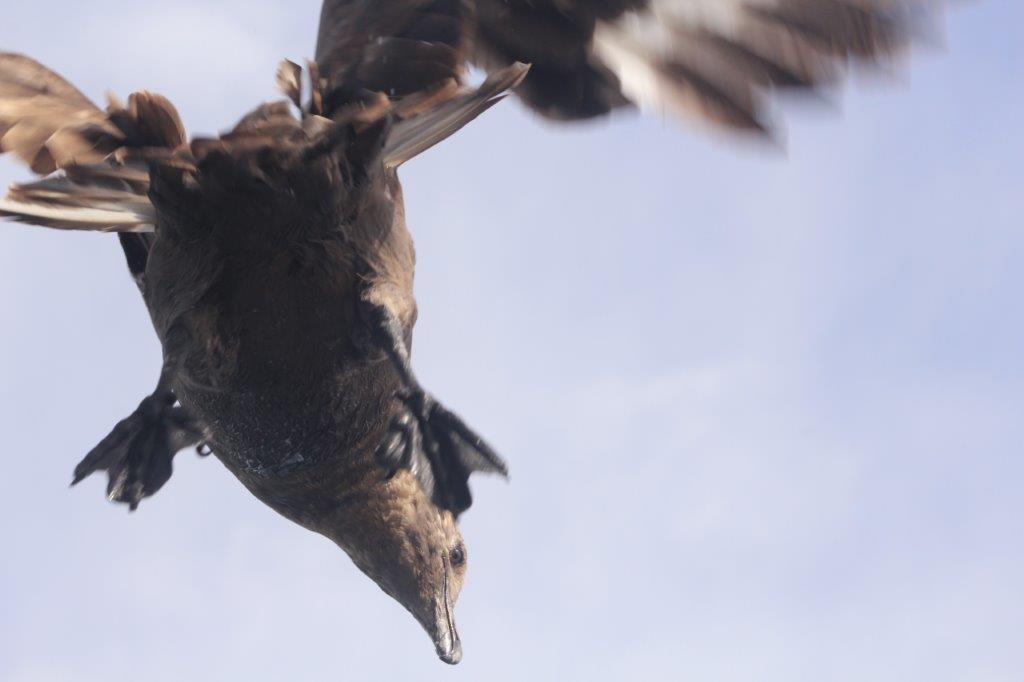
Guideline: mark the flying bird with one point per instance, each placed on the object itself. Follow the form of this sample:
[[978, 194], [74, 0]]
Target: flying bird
[[276, 263]]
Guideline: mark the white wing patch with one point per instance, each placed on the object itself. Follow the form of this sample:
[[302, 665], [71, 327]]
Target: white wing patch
[[114, 219], [717, 59]]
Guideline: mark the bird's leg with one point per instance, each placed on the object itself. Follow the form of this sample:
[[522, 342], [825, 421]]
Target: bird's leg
[[424, 429], [137, 453]]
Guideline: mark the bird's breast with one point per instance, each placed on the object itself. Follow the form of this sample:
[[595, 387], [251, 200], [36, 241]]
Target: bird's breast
[[276, 369]]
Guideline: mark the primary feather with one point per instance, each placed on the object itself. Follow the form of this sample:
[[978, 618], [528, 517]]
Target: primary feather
[[717, 59], [714, 60]]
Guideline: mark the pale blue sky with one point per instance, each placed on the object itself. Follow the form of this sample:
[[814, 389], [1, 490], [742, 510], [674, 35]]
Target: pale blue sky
[[764, 412]]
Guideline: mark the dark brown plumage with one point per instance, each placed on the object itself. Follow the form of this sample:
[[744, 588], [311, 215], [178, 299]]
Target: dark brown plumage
[[277, 266]]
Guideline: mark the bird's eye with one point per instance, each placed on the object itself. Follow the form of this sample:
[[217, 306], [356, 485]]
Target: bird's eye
[[457, 556]]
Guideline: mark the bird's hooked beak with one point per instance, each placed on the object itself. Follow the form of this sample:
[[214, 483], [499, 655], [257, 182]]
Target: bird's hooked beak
[[442, 630]]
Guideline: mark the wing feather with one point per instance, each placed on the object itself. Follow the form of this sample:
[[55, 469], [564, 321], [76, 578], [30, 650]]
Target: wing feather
[[399, 48], [50, 125], [715, 60]]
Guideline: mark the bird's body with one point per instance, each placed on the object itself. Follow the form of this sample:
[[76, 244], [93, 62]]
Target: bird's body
[[276, 263], [279, 279], [273, 366]]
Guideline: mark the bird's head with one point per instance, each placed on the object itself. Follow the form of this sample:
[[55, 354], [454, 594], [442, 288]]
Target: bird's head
[[413, 550]]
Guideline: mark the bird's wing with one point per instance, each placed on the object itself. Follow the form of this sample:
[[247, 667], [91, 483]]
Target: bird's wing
[[49, 125], [86, 203], [414, 54], [399, 48], [715, 60]]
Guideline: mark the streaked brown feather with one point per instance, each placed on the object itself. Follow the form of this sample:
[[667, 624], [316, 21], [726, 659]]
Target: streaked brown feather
[[697, 63], [289, 81], [399, 48], [686, 62], [49, 124], [838, 27], [94, 198], [415, 135], [22, 76], [156, 122], [712, 99], [761, 69]]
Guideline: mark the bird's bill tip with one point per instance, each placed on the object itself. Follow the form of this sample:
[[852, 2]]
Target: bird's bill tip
[[444, 633], [449, 648]]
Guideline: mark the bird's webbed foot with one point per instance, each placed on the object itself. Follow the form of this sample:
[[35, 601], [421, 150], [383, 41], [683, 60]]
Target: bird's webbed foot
[[137, 453], [437, 447], [424, 436]]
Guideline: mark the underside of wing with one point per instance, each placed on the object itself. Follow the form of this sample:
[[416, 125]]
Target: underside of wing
[[49, 125], [715, 60], [398, 48], [404, 59], [104, 197]]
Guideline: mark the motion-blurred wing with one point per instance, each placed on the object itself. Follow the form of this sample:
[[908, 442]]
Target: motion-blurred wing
[[49, 125], [712, 59], [411, 53], [397, 47], [93, 198]]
